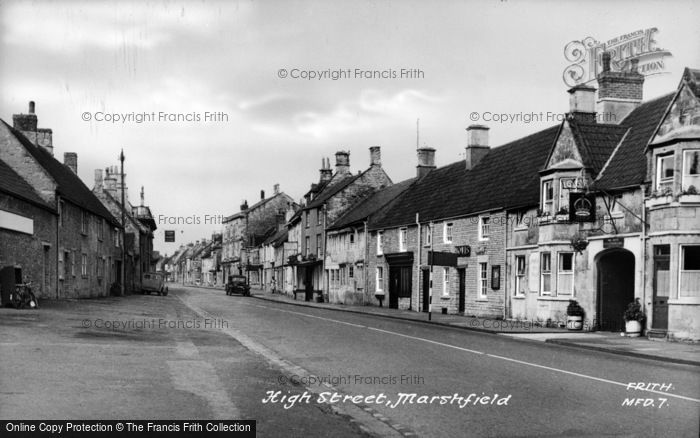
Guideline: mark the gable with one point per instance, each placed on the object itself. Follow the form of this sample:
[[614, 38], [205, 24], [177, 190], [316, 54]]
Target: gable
[[682, 118], [565, 153]]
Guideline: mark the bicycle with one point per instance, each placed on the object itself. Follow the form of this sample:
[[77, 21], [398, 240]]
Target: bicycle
[[23, 296]]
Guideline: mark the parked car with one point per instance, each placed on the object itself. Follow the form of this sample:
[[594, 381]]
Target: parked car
[[154, 282], [237, 284]]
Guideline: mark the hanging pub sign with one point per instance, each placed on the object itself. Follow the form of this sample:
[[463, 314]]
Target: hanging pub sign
[[463, 250], [169, 235], [581, 207], [496, 277]]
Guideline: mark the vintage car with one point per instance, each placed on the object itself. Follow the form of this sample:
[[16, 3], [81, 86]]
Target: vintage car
[[154, 282], [237, 284]]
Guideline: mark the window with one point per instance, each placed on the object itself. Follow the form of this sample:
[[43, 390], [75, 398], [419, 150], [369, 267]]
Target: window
[[519, 275], [61, 264], [307, 248], [380, 279], [566, 185], [380, 242], [547, 198], [546, 273], [664, 171], [403, 239], [351, 271], [445, 282], [306, 218], [483, 280], [352, 238], [84, 266], [690, 272], [428, 239], [520, 221], [84, 223], [691, 169], [116, 237], [101, 229], [72, 264], [447, 235], [565, 274], [61, 212], [484, 227], [319, 216], [319, 248]]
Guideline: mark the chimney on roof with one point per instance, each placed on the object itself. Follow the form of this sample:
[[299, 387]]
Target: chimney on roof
[[619, 92], [262, 194], [326, 171], [375, 156], [244, 205], [276, 189], [142, 197], [98, 178], [582, 103], [426, 161], [70, 160], [27, 125], [477, 145], [342, 162]]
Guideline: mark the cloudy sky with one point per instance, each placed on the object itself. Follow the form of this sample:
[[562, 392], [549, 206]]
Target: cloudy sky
[[92, 59]]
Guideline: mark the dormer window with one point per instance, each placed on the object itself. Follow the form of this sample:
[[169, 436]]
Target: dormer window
[[547, 198], [664, 171]]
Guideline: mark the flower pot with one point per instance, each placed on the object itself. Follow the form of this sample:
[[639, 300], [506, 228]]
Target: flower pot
[[574, 322], [633, 329]]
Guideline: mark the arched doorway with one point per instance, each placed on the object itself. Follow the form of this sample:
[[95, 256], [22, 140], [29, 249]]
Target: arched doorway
[[615, 288]]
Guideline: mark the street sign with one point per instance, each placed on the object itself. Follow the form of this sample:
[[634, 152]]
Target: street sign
[[170, 235], [614, 242], [442, 258]]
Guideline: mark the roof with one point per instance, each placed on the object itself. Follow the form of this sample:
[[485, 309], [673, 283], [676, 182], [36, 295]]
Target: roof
[[69, 185], [370, 205], [15, 185], [277, 238], [507, 177], [260, 203], [692, 77], [596, 142], [332, 190], [628, 164]]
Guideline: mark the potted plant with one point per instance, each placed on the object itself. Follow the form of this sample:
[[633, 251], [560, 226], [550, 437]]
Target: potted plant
[[690, 195], [562, 215], [660, 197], [634, 317], [574, 316], [579, 242]]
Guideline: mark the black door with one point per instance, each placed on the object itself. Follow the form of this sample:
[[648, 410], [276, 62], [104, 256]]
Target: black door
[[394, 287], [662, 286], [426, 289], [461, 272], [615, 288], [309, 283]]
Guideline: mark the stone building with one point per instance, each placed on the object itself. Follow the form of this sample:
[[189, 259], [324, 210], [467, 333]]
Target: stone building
[[84, 251]]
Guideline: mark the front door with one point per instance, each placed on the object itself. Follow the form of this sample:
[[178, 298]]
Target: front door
[[662, 286], [461, 272], [426, 289], [309, 283], [394, 287], [615, 288]]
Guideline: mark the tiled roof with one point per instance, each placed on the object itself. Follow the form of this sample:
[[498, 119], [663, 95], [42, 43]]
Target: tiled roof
[[596, 142], [507, 177], [627, 166], [70, 186], [277, 238], [692, 77], [15, 185], [372, 204], [331, 190]]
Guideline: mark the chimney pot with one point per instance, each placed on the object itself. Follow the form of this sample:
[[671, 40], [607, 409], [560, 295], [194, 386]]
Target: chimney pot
[[606, 61], [262, 194], [375, 156], [426, 161], [582, 100], [477, 144], [276, 189], [342, 162], [31, 107]]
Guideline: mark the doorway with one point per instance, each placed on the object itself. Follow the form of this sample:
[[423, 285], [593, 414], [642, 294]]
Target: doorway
[[399, 285], [425, 289], [615, 288], [461, 273], [661, 287]]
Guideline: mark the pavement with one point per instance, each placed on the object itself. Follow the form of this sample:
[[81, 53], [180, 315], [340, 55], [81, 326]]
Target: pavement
[[609, 342]]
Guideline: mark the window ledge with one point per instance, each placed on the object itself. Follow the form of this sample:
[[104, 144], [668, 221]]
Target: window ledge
[[518, 297], [548, 298], [482, 300], [444, 297], [520, 228]]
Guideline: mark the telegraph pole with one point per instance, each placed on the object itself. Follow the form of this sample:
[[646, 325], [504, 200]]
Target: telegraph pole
[[123, 237]]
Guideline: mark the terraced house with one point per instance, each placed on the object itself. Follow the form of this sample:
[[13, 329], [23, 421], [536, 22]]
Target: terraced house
[[74, 253]]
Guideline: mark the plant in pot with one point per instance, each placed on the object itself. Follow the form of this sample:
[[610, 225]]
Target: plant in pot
[[574, 315], [634, 317]]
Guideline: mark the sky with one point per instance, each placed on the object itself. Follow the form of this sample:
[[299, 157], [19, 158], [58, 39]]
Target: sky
[[238, 78]]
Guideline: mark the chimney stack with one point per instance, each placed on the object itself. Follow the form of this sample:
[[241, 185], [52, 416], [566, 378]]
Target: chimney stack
[[262, 194], [477, 145], [98, 178], [582, 103], [276, 189], [244, 205], [326, 171], [70, 160], [375, 156], [619, 92], [27, 125], [342, 162], [426, 161]]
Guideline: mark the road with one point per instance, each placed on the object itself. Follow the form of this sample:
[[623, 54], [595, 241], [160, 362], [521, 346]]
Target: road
[[246, 354]]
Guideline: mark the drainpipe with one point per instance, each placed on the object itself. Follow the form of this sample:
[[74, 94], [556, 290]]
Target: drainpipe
[[324, 277], [430, 288], [366, 289], [418, 283], [58, 228], [504, 274], [644, 255]]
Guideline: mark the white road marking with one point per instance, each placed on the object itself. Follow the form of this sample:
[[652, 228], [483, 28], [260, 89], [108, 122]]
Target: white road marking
[[585, 376]]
